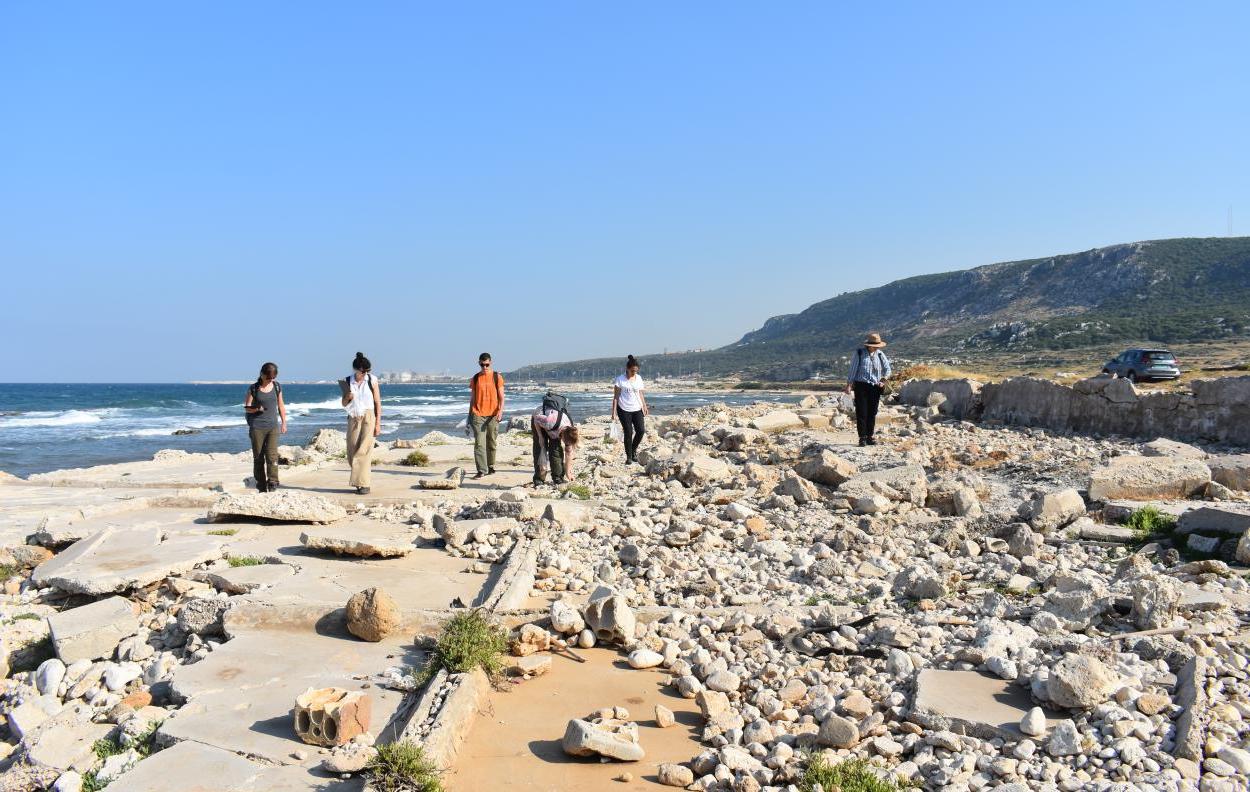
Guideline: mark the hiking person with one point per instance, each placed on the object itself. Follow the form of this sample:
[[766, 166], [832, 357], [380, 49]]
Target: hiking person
[[266, 419], [870, 368], [629, 405], [363, 402], [555, 436], [485, 412]]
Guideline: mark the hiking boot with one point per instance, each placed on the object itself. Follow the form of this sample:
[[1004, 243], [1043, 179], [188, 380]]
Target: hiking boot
[[273, 486], [863, 442]]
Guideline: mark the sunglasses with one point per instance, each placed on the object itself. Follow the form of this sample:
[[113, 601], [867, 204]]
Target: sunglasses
[[484, 365]]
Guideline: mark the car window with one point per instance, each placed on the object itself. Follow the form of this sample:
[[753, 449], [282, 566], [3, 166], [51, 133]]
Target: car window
[[1160, 356]]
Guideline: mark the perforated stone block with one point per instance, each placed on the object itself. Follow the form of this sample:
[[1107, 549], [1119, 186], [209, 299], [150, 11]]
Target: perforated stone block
[[331, 716]]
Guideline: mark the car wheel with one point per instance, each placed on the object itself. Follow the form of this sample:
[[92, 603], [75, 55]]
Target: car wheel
[[1131, 377]]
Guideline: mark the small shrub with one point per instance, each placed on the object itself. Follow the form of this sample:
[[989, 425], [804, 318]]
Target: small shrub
[[106, 747], [7, 571], [245, 561], [469, 640], [578, 491], [224, 532], [416, 459], [30, 616], [1148, 522], [852, 775], [402, 767]]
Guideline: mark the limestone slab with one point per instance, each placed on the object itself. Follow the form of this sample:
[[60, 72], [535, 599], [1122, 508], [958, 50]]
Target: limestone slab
[[115, 559], [189, 767], [1230, 519], [245, 580], [968, 702], [92, 632], [285, 505], [363, 538], [168, 469], [777, 421], [1148, 478]]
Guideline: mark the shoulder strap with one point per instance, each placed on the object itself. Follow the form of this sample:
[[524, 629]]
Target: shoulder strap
[[277, 386]]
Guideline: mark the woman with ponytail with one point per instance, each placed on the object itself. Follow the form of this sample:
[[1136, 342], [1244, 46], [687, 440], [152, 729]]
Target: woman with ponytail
[[629, 405], [363, 403], [266, 419]]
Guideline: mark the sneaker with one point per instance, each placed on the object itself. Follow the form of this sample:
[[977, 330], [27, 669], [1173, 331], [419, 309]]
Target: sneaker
[[862, 442], [491, 472], [362, 490], [478, 475], [869, 441]]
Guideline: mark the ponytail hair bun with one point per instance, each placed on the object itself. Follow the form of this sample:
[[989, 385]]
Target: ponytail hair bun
[[632, 361], [361, 363]]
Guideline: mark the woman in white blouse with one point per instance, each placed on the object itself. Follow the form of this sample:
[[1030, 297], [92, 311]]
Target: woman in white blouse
[[629, 405]]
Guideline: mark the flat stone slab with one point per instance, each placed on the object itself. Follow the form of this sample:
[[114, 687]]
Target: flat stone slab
[[972, 703], [1231, 520], [245, 580], [169, 469], [285, 505], [92, 632], [65, 741], [189, 767], [777, 421], [117, 559], [242, 694], [27, 508], [1106, 533], [363, 538]]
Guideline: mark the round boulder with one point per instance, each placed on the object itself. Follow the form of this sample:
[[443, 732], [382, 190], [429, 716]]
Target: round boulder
[[372, 614]]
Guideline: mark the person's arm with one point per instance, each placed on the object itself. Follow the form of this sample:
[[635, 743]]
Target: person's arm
[[377, 409], [499, 412], [888, 371], [247, 403], [642, 395], [616, 395], [282, 411], [347, 392], [854, 372]]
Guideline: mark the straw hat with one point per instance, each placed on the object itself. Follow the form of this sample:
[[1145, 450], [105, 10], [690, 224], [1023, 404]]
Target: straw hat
[[873, 341]]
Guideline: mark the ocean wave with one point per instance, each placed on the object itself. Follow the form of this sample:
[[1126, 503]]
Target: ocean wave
[[424, 410], [303, 408], [67, 418]]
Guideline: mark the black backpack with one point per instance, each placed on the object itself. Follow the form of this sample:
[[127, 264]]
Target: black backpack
[[554, 402]]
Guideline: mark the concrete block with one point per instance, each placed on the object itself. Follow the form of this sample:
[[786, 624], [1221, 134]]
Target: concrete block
[[331, 716], [92, 632]]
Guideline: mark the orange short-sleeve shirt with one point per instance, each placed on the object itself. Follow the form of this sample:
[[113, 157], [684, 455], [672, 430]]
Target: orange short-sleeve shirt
[[484, 401]]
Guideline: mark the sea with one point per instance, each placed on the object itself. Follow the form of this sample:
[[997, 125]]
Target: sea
[[50, 427]]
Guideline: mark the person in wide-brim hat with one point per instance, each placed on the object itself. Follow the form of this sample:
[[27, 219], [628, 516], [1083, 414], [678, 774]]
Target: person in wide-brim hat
[[870, 368]]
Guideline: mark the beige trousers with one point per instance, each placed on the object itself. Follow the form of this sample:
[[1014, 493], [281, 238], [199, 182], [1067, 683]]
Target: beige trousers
[[360, 448]]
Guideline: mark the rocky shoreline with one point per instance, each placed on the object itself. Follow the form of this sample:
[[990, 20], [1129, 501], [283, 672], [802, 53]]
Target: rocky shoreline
[[960, 606]]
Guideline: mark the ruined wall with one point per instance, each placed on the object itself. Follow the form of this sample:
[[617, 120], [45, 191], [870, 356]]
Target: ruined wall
[[1216, 410]]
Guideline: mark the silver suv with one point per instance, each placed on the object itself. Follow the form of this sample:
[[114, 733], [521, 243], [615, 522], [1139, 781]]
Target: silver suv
[[1142, 365]]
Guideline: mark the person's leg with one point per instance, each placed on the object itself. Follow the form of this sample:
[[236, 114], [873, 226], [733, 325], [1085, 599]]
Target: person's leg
[[861, 408], [538, 451], [627, 426], [555, 453], [362, 465], [271, 456], [353, 448], [257, 436], [492, 441], [640, 428], [478, 424], [873, 402]]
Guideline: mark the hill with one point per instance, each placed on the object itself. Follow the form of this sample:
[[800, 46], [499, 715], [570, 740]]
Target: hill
[[1159, 292]]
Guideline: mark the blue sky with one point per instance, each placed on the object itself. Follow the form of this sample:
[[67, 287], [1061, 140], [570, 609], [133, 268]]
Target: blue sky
[[187, 190]]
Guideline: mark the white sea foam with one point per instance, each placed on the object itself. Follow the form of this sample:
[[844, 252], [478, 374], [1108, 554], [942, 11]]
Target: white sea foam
[[303, 408], [67, 418]]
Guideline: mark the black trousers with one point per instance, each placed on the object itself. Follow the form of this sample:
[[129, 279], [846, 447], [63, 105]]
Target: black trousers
[[634, 427], [867, 400]]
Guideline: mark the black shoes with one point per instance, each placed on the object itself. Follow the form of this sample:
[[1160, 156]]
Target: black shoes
[[362, 490], [491, 472], [863, 442], [869, 441], [478, 475]]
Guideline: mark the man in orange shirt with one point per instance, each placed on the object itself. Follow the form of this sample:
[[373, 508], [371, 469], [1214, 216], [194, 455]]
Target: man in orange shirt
[[485, 412]]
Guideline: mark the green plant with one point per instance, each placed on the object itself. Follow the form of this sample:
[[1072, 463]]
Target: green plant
[[224, 532], [416, 459], [469, 640], [578, 491], [7, 571], [90, 783], [244, 561], [853, 775], [30, 616], [106, 747], [402, 767], [1148, 522]]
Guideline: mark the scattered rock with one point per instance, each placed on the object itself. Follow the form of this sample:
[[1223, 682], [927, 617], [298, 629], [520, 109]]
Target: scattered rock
[[372, 614]]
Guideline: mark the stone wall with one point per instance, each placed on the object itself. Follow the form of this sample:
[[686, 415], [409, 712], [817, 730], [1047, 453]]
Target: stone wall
[[1216, 410]]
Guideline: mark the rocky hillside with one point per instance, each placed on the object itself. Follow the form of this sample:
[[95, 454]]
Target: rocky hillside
[[1162, 291]]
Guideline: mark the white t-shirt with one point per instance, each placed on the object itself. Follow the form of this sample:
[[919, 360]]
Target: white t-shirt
[[631, 393]]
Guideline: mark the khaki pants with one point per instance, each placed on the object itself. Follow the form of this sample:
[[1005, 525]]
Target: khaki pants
[[485, 440], [360, 448]]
